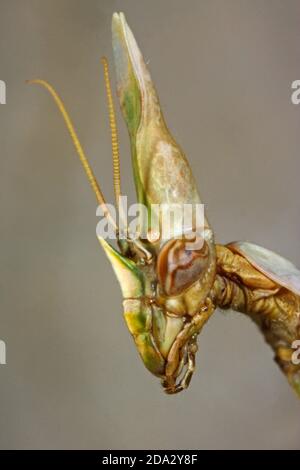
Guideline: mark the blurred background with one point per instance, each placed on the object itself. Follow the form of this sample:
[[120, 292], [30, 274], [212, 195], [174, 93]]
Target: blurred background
[[224, 72]]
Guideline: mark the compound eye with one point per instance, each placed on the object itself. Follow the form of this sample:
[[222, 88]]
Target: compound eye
[[180, 263]]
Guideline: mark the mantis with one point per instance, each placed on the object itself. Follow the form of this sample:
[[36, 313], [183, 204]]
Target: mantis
[[169, 290]]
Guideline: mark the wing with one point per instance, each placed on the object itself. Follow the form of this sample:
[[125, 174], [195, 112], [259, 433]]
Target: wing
[[272, 265], [266, 287]]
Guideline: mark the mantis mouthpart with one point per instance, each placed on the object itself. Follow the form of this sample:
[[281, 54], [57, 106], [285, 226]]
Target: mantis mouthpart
[[170, 291]]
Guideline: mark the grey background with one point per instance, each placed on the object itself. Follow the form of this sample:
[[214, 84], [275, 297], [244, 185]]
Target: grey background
[[224, 71]]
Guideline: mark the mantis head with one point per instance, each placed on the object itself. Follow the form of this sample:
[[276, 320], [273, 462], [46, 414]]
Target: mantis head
[[165, 281]]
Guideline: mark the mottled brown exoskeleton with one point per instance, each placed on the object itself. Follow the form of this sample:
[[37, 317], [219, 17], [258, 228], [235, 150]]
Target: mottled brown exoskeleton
[[169, 290]]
